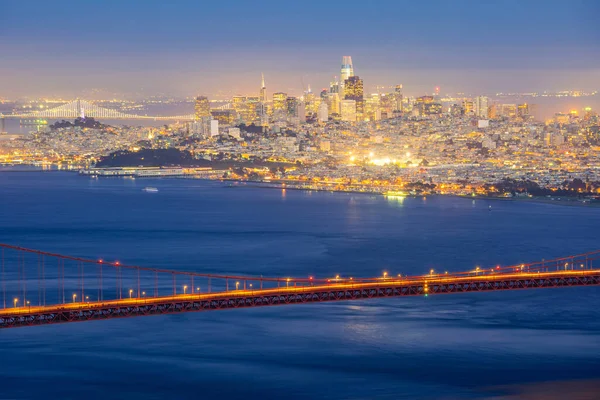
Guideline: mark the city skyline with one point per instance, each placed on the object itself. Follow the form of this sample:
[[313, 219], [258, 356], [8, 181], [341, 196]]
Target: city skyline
[[462, 47]]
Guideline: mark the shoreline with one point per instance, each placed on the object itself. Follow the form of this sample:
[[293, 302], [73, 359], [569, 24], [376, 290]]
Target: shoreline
[[564, 201]]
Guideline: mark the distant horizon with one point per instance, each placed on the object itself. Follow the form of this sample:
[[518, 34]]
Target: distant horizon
[[186, 48]]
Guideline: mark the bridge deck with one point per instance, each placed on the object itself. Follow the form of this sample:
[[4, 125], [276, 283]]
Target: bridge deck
[[337, 291]]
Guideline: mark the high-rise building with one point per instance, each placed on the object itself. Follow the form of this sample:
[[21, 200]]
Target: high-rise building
[[348, 108], [469, 107], [481, 106], [323, 113], [346, 72], [508, 110], [279, 100], [353, 90], [225, 117], [263, 89], [372, 110], [291, 105], [523, 110], [334, 86], [202, 107], [334, 103], [398, 98], [347, 68], [425, 105]]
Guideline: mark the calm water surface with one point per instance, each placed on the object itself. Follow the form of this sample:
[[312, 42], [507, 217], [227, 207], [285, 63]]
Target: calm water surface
[[491, 345]]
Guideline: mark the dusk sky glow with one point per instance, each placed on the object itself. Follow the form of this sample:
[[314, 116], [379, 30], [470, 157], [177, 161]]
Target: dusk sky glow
[[188, 47]]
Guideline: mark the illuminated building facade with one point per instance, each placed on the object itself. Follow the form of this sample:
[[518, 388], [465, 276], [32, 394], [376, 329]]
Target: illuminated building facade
[[201, 107], [263, 90], [348, 110], [353, 90], [279, 101], [398, 98], [480, 105]]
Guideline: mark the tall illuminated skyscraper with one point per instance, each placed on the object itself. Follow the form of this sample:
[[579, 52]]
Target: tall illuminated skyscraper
[[347, 68], [263, 89], [347, 72], [202, 107]]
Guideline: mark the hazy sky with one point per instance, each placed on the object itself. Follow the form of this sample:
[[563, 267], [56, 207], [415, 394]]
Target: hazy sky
[[189, 47]]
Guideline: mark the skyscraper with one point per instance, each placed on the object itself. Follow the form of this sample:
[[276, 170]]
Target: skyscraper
[[398, 98], [481, 106], [202, 107], [347, 68], [353, 90], [279, 101], [347, 72], [263, 89]]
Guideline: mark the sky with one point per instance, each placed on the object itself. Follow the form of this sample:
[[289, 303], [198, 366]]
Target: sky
[[191, 47]]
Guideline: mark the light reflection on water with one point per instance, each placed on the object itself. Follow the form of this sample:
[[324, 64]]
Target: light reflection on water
[[460, 346]]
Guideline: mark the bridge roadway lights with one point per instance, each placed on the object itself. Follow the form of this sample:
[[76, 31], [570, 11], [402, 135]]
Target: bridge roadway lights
[[281, 296]]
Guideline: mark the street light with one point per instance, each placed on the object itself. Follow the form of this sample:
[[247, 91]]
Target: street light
[[74, 297], [198, 289], [287, 283], [237, 285], [384, 274], [15, 302], [130, 293], [29, 305], [184, 288], [87, 298], [431, 272]]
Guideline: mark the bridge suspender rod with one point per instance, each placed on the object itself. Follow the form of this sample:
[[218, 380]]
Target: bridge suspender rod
[[100, 283], [139, 293], [44, 279], [82, 282], [3, 282], [39, 276], [24, 277], [155, 284], [58, 282]]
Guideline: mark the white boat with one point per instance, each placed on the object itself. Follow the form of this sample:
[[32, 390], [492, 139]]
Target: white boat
[[150, 189]]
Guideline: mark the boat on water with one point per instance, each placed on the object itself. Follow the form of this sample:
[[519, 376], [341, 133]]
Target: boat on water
[[150, 189]]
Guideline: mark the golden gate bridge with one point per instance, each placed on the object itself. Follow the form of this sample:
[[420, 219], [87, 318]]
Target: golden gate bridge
[[79, 108], [40, 288]]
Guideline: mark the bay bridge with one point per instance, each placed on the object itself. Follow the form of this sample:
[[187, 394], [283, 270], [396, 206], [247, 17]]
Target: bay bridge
[[40, 288], [79, 108]]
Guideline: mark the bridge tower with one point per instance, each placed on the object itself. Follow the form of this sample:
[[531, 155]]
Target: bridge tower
[[80, 110]]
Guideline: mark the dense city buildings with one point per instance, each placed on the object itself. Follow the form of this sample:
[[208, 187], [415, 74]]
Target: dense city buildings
[[202, 107], [345, 138]]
